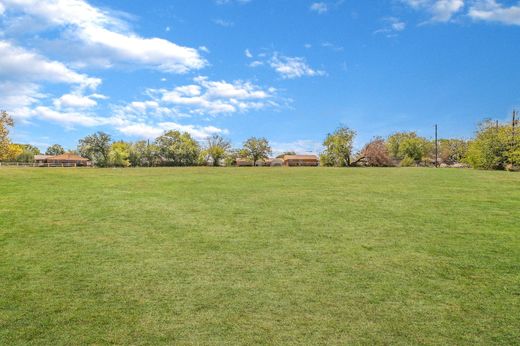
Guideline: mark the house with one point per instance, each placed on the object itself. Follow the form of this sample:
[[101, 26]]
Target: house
[[244, 163], [41, 159], [277, 162], [64, 160], [301, 160]]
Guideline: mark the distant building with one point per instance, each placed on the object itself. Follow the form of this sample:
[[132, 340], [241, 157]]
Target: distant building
[[64, 160], [244, 163], [278, 162], [301, 160]]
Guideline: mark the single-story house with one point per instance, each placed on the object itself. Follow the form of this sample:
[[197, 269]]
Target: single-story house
[[244, 163], [41, 159], [301, 160], [68, 160], [278, 162]]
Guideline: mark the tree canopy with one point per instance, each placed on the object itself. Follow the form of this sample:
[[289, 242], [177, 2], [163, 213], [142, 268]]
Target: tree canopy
[[5, 123], [54, 150], [178, 149], [257, 149], [338, 147], [217, 147], [96, 147]]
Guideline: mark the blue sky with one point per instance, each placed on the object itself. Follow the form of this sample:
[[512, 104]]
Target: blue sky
[[289, 70]]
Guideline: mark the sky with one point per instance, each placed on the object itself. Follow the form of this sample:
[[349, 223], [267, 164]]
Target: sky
[[288, 70]]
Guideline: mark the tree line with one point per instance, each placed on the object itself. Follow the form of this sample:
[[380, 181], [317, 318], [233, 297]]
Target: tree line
[[494, 146]]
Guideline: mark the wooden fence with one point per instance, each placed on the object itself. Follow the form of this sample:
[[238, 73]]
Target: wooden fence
[[37, 164]]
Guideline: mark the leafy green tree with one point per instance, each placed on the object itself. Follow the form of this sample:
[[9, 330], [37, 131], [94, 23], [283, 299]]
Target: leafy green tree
[[216, 149], [5, 123], [24, 153], [491, 147], [338, 148], [452, 150], [119, 154], [54, 150], [256, 149], [13, 152], [408, 145], [179, 149], [233, 155], [394, 143], [96, 147]]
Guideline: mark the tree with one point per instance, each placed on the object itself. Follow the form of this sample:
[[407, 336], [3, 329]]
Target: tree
[[491, 147], [54, 150], [179, 149], [96, 147], [28, 153], [217, 148], [452, 150], [376, 154], [13, 152], [408, 145], [257, 149], [119, 154], [5, 122], [338, 148]]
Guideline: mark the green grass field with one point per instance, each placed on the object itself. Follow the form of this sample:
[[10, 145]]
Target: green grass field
[[259, 256]]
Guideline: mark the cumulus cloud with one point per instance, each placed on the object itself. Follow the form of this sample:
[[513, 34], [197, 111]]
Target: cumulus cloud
[[76, 101], [440, 10], [319, 7], [491, 11], [143, 130], [19, 97], [17, 63], [293, 67], [208, 97], [99, 29]]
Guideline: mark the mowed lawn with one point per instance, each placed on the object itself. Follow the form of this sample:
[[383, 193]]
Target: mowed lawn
[[259, 256]]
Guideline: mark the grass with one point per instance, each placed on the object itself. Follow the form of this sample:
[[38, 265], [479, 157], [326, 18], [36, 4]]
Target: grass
[[259, 256]]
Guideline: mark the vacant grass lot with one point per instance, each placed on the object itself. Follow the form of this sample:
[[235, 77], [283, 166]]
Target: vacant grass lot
[[259, 256]]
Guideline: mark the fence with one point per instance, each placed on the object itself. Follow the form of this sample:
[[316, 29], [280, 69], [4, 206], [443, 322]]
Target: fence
[[37, 164]]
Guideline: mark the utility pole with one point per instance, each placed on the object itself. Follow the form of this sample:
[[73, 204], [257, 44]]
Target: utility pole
[[436, 148], [513, 125]]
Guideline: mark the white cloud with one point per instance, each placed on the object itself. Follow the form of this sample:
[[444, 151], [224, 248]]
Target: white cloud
[[332, 46], [109, 35], [216, 97], [71, 118], [2, 9], [248, 54], [18, 97], [319, 7], [490, 10], [440, 10], [223, 23], [19, 64], [293, 67], [76, 101], [144, 130], [256, 63], [392, 27]]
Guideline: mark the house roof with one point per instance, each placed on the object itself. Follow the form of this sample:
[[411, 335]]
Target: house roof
[[41, 157], [300, 157], [67, 157]]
